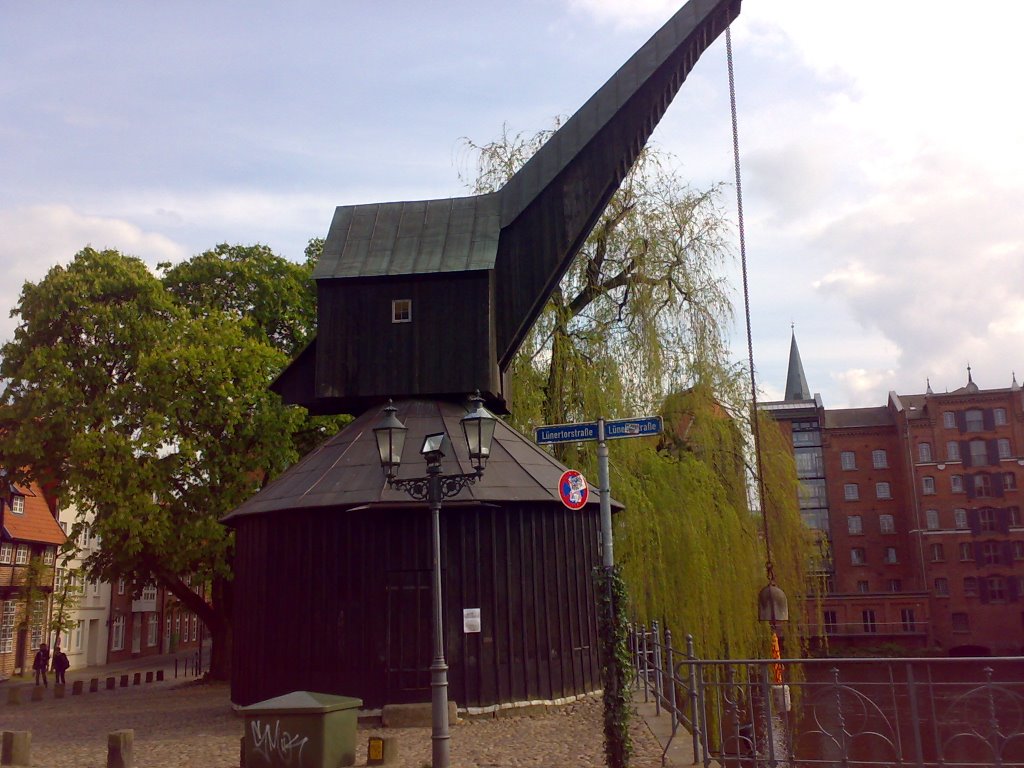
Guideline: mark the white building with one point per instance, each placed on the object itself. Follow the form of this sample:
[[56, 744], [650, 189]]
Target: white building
[[85, 644]]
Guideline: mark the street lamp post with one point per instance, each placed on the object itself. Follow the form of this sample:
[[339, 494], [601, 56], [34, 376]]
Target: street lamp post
[[478, 428]]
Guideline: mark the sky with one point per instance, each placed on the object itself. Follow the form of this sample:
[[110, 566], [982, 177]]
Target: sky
[[882, 149]]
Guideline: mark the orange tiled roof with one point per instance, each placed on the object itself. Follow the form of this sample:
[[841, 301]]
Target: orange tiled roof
[[36, 524]]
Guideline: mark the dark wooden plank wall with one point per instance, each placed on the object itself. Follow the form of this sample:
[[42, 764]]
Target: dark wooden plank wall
[[311, 604], [447, 348]]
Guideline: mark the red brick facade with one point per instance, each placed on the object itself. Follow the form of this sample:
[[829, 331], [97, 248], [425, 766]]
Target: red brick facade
[[149, 622], [921, 516]]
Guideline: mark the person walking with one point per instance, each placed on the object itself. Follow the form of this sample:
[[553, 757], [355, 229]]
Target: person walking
[[60, 666], [41, 662]]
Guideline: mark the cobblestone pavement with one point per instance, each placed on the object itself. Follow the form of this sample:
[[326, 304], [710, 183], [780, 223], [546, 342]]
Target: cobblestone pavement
[[192, 724]]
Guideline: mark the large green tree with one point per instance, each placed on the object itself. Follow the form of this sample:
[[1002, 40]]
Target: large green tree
[[150, 415], [639, 325]]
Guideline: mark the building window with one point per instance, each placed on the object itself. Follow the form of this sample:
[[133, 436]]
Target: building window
[[401, 311], [49, 555], [907, 619], [117, 642], [38, 619], [986, 519], [956, 483], [882, 491], [829, 620], [990, 553], [1009, 481], [857, 556], [1003, 445], [22, 555], [1018, 550], [848, 459], [931, 517], [851, 492], [999, 415], [970, 586], [924, 452], [6, 553], [18, 504], [854, 525], [974, 420], [979, 453], [863, 587], [966, 551], [152, 629], [79, 631], [868, 618], [895, 585], [887, 523], [95, 587], [891, 555], [942, 586], [879, 460], [195, 627], [927, 485], [938, 552], [7, 627], [149, 592], [120, 586], [960, 519], [949, 420], [961, 623], [1014, 515], [953, 451], [982, 485], [996, 589]]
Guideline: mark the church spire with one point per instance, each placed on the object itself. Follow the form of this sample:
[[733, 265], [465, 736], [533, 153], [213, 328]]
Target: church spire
[[796, 382]]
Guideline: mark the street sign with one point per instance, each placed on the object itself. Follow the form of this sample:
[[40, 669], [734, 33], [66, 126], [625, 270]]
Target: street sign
[[566, 433], [642, 427], [573, 489]]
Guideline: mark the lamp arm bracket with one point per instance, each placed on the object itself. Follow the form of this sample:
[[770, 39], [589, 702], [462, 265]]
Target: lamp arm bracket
[[419, 487]]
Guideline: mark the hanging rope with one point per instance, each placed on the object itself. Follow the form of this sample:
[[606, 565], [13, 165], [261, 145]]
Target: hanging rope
[[769, 568]]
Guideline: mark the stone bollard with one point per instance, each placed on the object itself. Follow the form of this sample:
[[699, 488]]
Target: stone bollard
[[119, 748], [111, 682], [16, 748], [159, 675], [124, 681], [149, 676], [241, 757], [382, 750], [37, 693], [94, 685], [14, 695], [137, 678], [58, 691], [78, 685]]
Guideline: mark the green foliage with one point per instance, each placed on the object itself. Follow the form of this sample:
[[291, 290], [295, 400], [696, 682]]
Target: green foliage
[[637, 326], [616, 667], [147, 406]]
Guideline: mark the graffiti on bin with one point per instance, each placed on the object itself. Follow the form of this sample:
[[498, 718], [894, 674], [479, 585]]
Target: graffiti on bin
[[275, 746]]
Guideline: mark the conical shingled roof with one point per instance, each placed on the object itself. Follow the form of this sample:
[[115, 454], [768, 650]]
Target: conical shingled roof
[[345, 472], [796, 382]]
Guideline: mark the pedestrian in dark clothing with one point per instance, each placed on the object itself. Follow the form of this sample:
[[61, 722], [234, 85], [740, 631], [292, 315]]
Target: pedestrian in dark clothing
[[60, 666], [40, 663]]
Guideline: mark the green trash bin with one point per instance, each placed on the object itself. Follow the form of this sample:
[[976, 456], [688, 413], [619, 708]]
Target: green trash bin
[[311, 730]]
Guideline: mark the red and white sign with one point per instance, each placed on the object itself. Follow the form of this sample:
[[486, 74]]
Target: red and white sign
[[573, 489]]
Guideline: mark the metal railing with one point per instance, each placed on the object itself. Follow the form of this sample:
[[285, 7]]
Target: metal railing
[[854, 713]]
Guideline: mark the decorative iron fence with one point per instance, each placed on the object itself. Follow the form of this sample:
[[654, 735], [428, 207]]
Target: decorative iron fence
[[854, 712]]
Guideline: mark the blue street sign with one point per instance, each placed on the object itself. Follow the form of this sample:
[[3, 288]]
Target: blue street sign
[[642, 427], [566, 433]]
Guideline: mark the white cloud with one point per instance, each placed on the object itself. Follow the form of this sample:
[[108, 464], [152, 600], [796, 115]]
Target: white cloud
[[37, 238]]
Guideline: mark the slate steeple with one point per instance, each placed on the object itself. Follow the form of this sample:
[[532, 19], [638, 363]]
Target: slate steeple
[[796, 382]]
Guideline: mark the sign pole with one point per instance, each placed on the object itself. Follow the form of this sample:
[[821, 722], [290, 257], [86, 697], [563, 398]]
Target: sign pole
[[604, 487]]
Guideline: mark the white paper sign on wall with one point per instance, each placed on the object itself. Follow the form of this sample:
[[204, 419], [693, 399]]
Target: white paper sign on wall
[[470, 620]]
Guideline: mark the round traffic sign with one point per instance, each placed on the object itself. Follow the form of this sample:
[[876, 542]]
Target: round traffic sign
[[573, 489]]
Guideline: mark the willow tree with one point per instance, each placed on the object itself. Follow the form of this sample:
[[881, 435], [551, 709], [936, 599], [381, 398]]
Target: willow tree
[[638, 325]]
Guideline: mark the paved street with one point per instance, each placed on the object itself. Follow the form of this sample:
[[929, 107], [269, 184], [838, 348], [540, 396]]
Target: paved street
[[191, 724]]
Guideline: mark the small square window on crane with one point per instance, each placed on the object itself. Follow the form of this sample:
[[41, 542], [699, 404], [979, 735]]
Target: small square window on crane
[[401, 311]]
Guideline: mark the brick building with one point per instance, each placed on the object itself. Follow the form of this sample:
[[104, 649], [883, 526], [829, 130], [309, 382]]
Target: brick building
[[29, 539], [149, 621], [918, 506]]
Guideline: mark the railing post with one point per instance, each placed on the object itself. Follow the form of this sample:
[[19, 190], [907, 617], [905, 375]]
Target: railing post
[[696, 706], [659, 690], [915, 718], [671, 681], [643, 661]]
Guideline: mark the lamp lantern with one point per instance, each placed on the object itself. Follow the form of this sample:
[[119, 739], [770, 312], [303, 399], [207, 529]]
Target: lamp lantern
[[478, 427], [390, 434]]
